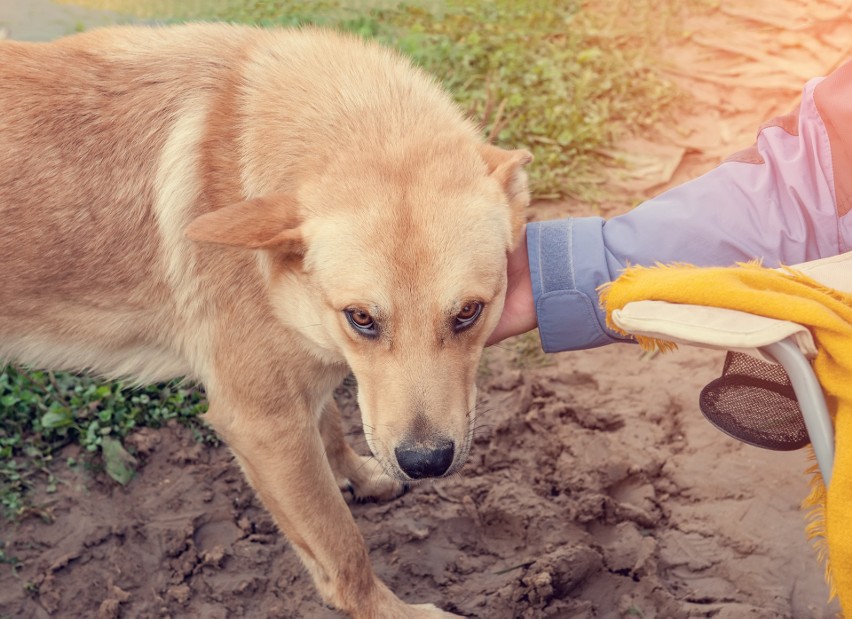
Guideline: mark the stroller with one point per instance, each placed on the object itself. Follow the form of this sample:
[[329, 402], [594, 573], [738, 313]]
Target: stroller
[[785, 361]]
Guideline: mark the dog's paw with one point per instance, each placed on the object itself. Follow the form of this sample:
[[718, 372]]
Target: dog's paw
[[385, 605], [370, 483], [392, 491], [409, 611], [429, 611]]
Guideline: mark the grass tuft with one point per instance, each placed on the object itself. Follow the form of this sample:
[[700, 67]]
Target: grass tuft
[[41, 412]]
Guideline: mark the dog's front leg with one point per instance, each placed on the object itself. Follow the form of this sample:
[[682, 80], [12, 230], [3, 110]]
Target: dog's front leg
[[283, 456]]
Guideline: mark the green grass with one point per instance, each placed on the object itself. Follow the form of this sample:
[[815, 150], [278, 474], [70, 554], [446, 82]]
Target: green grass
[[545, 76], [41, 412], [549, 77]]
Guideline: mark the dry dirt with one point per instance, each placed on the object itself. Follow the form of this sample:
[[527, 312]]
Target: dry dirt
[[595, 488]]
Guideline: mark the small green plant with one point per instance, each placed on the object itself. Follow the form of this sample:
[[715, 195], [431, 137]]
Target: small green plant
[[41, 412]]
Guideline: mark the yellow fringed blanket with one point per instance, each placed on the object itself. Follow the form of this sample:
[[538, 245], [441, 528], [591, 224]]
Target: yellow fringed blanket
[[785, 295]]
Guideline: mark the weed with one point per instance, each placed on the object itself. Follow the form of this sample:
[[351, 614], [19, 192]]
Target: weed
[[41, 412]]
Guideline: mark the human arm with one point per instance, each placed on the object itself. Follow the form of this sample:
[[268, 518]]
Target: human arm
[[785, 200]]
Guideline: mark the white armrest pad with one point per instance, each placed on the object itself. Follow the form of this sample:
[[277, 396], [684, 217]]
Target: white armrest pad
[[710, 327], [833, 272]]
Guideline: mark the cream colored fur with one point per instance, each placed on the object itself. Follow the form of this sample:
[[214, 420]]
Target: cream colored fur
[[209, 201]]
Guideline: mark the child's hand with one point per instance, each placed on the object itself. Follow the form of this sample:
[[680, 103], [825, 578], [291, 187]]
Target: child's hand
[[519, 310]]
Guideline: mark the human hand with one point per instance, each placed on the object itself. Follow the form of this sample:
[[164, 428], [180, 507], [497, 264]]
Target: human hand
[[519, 309]]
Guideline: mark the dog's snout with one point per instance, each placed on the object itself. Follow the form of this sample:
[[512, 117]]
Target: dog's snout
[[419, 461]]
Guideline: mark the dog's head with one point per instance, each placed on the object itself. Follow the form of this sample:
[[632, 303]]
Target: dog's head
[[399, 268]]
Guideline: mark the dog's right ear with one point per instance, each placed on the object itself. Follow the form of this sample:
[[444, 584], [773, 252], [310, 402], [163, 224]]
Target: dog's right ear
[[507, 168], [268, 222]]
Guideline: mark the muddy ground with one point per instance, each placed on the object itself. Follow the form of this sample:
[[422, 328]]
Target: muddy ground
[[595, 488]]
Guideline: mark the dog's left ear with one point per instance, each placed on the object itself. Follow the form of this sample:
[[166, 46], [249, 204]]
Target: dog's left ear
[[269, 222], [507, 168]]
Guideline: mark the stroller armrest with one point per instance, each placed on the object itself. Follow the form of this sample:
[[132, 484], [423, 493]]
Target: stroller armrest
[[711, 327], [775, 341]]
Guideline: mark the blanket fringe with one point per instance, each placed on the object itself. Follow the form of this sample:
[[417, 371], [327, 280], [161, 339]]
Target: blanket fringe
[[645, 342], [815, 506]]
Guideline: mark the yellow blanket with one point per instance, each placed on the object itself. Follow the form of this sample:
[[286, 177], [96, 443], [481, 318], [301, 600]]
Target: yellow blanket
[[789, 296]]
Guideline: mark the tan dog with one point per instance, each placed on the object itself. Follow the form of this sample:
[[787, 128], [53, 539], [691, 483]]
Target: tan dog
[[261, 211]]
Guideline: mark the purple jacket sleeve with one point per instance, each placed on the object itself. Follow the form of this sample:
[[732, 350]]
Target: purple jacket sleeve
[[775, 202]]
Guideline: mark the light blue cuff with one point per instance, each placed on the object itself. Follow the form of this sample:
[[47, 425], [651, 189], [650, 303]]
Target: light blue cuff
[[568, 261]]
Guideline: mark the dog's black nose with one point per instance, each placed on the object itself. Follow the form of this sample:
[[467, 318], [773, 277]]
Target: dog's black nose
[[418, 461]]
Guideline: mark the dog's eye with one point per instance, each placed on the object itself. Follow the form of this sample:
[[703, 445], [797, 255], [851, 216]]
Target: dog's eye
[[468, 315], [362, 322]]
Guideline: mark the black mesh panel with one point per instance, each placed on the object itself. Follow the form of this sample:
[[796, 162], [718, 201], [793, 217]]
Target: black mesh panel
[[753, 401]]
